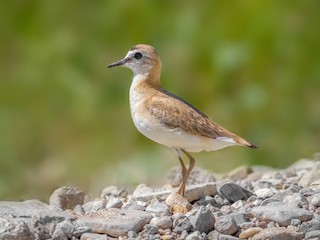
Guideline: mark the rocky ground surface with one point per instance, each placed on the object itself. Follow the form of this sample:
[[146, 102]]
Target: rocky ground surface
[[247, 203]]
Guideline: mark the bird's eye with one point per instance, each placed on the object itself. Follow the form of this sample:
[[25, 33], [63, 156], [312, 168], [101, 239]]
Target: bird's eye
[[137, 55]]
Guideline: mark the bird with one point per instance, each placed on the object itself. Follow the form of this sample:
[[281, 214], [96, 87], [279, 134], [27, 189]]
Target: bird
[[168, 119]]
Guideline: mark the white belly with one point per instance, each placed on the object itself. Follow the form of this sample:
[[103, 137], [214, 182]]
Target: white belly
[[176, 138]]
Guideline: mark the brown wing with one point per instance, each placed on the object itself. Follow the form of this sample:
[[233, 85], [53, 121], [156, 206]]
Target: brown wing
[[174, 112]]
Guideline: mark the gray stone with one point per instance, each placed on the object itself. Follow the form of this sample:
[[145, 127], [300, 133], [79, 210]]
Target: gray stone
[[164, 222], [281, 214], [132, 234], [295, 199], [227, 237], [150, 229], [315, 200], [277, 234], [213, 235], [114, 222], [95, 236], [309, 226], [264, 193], [30, 219], [158, 208], [193, 193], [233, 192], [194, 236], [94, 206], [203, 220], [66, 197], [295, 222], [12, 229], [226, 225], [312, 234], [114, 202], [181, 225], [311, 176], [63, 230]]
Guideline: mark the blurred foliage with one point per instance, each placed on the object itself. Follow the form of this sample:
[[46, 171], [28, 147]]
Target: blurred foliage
[[252, 66]]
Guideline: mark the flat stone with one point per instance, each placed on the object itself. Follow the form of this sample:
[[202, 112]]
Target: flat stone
[[226, 225], [95, 236], [114, 222], [277, 234], [315, 200], [194, 236], [158, 208], [164, 222], [94, 206], [233, 192], [250, 232], [227, 237], [264, 193], [11, 229], [203, 220], [66, 197], [281, 214], [30, 219], [114, 202], [312, 234], [193, 193], [178, 204], [311, 176]]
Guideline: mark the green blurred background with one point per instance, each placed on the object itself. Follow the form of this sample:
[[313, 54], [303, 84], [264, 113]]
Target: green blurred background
[[252, 66]]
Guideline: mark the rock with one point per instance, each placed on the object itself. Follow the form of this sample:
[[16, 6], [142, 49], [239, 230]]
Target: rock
[[250, 232], [315, 200], [277, 234], [213, 235], [63, 230], [164, 222], [239, 173], [30, 219], [312, 234], [295, 199], [227, 237], [114, 222], [203, 220], [150, 229], [226, 225], [281, 214], [11, 229], [66, 197], [95, 236], [194, 236], [233, 192], [178, 204], [309, 226], [311, 176], [158, 208], [142, 189], [182, 225], [264, 193], [135, 205], [193, 193], [94, 206], [114, 202]]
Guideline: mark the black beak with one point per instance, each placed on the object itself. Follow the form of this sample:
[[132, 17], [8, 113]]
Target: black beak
[[119, 63]]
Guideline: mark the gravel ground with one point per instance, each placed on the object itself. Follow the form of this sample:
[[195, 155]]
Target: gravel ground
[[247, 203]]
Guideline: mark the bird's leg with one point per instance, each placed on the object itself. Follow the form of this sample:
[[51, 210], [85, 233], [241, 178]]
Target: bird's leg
[[183, 166], [182, 187]]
